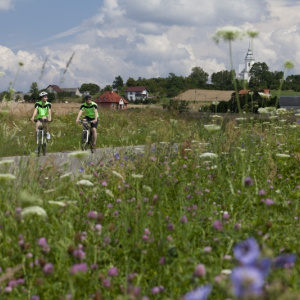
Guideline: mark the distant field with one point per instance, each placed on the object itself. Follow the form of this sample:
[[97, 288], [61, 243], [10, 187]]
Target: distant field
[[205, 96]]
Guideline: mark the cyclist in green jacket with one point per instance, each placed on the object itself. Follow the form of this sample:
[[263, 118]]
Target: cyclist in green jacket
[[42, 109], [90, 109]]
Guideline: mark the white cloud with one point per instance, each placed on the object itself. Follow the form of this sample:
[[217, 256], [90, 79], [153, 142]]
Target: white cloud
[[156, 37], [6, 4]]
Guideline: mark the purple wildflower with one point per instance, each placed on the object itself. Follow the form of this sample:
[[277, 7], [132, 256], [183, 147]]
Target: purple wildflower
[[200, 293], [113, 272], [43, 243], [247, 281], [79, 268], [247, 252], [248, 181], [35, 297], [218, 225], [183, 219], [48, 269], [284, 260]]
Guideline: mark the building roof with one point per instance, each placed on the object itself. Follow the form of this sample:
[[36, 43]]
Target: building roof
[[56, 88], [136, 89], [110, 97]]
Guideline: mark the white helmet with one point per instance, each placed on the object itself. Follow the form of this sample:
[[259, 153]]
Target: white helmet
[[42, 94]]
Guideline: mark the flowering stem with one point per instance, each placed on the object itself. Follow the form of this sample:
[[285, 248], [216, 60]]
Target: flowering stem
[[233, 78]]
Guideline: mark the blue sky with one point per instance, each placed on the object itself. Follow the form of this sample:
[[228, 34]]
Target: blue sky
[[134, 38]]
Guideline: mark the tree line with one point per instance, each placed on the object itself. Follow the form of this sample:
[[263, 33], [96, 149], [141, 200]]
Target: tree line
[[171, 86]]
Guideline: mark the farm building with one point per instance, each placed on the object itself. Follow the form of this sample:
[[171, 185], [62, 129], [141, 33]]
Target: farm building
[[111, 100]]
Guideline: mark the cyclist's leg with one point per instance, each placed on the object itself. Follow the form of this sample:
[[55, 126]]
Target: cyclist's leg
[[94, 128]]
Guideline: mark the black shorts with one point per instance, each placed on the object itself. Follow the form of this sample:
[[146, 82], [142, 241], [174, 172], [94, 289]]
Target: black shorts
[[93, 125]]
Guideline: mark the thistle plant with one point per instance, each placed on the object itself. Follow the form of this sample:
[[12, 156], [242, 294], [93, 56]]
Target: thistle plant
[[230, 34]]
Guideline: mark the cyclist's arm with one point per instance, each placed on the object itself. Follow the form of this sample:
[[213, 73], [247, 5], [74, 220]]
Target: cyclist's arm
[[34, 114], [96, 114], [79, 115]]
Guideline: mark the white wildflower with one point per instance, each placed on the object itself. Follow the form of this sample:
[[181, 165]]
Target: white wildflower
[[118, 174], [208, 155], [228, 33], [212, 127], [58, 203], [109, 193], [84, 182], [67, 175], [137, 175], [7, 177], [27, 199], [6, 162], [78, 154], [226, 271], [282, 155], [147, 188], [33, 210]]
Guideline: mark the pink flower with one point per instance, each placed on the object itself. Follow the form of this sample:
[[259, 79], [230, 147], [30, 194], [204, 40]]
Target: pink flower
[[113, 272], [200, 271], [218, 225]]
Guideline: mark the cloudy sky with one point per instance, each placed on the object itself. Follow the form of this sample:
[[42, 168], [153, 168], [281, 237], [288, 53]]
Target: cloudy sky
[[134, 38]]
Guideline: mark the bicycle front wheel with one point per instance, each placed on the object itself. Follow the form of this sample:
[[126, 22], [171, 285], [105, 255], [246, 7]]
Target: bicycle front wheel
[[39, 142], [44, 147], [84, 140]]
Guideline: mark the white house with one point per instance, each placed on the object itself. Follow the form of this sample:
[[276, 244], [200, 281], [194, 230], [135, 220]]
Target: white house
[[245, 69], [134, 93]]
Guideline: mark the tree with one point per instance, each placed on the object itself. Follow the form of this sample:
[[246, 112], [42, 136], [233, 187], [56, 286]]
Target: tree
[[222, 80], [107, 88], [130, 82], [259, 75], [91, 88], [34, 90], [118, 83], [198, 76]]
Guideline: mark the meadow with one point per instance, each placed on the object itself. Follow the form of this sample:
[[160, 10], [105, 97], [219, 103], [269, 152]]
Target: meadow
[[208, 210]]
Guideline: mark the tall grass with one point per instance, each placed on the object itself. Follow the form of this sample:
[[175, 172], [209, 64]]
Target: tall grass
[[160, 223]]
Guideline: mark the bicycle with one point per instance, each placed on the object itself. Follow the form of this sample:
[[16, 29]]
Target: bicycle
[[41, 139], [87, 135]]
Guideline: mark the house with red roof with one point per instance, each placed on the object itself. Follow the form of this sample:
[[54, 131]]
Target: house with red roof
[[134, 93], [111, 100], [55, 89]]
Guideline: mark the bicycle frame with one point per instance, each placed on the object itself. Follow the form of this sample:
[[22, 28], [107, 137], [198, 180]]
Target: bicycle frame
[[40, 137], [87, 135]]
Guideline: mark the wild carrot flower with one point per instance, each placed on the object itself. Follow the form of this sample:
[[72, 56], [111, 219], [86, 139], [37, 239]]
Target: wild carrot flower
[[78, 154], [6, 162], [212, 127], [7, 177], [84, 183], [208, 155], [33, 210]]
